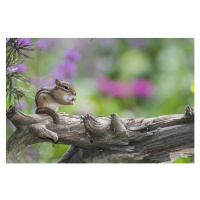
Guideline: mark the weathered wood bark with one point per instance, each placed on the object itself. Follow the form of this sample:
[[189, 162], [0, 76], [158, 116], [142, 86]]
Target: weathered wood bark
[[106, 139]]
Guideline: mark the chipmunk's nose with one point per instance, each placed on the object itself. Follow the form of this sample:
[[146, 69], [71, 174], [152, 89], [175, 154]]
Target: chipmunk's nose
[[75, 94]]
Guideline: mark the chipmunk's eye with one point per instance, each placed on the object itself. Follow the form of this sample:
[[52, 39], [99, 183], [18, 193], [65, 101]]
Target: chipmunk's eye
[[66, 87]]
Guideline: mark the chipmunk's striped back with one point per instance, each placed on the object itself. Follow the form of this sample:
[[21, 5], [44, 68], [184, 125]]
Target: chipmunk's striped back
[[43, 90]]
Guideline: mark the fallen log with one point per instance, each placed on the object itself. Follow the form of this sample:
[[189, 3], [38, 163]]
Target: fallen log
[[105, 139]]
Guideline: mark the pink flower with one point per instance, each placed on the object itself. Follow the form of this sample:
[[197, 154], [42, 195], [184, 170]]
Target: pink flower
[[114, 88], [138, 87], [142, 88]]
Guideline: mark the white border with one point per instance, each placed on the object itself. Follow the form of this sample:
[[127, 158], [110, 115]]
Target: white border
[[92, 20]]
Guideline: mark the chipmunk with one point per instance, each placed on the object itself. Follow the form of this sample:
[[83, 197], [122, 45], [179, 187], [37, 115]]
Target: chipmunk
[[49, 99]]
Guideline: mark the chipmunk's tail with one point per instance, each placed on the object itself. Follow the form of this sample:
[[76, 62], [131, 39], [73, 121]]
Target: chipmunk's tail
[[48, 111]]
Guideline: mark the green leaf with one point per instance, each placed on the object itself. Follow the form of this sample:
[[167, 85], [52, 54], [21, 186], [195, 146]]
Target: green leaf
[[192, 88], [182, 160]]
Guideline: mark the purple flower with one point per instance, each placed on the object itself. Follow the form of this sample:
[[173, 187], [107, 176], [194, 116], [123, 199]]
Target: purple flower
[[44, 83], [72, 55], [20, 67], [57, 73], [114, 88], [24, 41], [138, 87], [41, 44], [52, 42], [21, 41], [70, 68], [65, 69], [17, 68], [21, 104], [47, 43], [142, 88]]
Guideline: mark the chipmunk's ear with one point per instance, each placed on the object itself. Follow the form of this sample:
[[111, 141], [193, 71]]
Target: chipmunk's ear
[[57, 82]]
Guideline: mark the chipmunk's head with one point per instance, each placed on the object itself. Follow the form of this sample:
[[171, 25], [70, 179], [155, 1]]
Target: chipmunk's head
[[65, 92]]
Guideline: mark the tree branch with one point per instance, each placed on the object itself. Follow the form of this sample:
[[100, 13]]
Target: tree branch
[[106, 139]]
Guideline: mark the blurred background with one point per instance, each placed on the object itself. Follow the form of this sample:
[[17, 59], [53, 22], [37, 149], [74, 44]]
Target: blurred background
[[134, 77]]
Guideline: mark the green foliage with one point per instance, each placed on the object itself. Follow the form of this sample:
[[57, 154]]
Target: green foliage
[[16, 53], [182, 160], [13, 91]]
